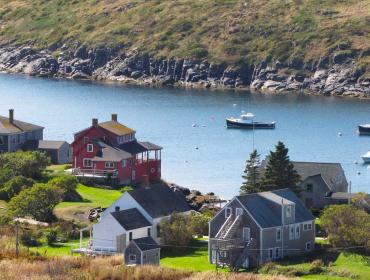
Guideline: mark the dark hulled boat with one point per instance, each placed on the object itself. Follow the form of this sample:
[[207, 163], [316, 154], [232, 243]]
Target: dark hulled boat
[[246, 121], [364, 129]]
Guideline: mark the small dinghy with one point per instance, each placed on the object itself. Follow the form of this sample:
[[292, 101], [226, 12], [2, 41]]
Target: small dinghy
[[364, 129], [366, 157], [246, 121]]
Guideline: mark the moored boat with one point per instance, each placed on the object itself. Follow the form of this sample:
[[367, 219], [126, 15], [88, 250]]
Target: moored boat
[[364, 129], [246, 121], [366, 157]]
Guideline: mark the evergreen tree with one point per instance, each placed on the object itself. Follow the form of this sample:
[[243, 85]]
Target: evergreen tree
[[251, 174], [280, 172]]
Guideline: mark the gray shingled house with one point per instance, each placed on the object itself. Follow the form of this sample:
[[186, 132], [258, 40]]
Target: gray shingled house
[[58, 151], [14, 133], [142, 251], [257, 228], [319, 181]]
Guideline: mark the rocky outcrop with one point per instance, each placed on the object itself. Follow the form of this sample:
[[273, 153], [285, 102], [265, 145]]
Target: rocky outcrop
[[335, 75]]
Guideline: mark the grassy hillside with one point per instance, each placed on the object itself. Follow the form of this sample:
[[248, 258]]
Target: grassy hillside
[[221, 30]]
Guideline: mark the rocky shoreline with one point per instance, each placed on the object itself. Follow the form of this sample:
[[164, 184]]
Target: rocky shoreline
[[338, 75]]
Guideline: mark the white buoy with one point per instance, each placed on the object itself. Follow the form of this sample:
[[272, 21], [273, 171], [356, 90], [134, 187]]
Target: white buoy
[[339, 133]]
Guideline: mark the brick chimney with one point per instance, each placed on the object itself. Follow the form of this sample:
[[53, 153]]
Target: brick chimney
[[95, 122], [114, 117], [11, 115]]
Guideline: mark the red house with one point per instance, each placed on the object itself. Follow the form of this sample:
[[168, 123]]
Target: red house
[[110, 149]]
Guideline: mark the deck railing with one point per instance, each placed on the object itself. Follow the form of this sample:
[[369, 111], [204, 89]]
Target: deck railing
[[94, 172]]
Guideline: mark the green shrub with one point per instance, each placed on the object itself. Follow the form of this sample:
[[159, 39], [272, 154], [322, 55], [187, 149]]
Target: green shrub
[[28, 238], [68, 184], [15, 185], [51, 236]]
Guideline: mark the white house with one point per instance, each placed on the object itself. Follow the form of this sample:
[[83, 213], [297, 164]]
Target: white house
[[136, 214]]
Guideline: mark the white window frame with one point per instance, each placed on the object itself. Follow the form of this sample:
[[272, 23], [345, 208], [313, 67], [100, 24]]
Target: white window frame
[[246, 234], [278, 230], [109, 164], [288, 207], [90, 148], [228, 212], [238, 211], [291, 232], [310, 245], [85, 165], [297, 234], [86, 139], [132, 258], [124, 163], [307, 226]]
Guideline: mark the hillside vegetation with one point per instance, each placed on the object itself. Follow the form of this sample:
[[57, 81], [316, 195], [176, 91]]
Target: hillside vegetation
[[233, 31]]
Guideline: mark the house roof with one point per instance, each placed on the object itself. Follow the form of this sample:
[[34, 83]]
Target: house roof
[[133, 147], [131, 219], [109, 153], [328, 171], [146, 243], [43, 144], [6, 127], [150, 146], [159, 200], [265, 207], [116, 128]]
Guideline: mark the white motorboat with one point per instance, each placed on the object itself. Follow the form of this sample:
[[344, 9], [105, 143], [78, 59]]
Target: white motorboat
[[366, 157]]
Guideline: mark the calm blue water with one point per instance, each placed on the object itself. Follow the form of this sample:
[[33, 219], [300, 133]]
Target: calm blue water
[[308, 125]]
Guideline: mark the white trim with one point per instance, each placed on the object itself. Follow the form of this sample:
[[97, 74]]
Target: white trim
[[219, 212], [308, 242], [249, 234], [297, 226], [226, 212], [307, 224], [109, 164], [238, 209], [261, 245], [83, 162], [129, 258], [291, 235], [276, 233], [88, 148]]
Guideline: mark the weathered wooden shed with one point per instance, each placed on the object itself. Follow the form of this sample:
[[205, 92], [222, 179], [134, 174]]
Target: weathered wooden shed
[[142, 251], [57, 150]]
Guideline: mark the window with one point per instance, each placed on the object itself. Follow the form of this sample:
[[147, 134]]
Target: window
[[297, 231], [307, 226], [124, 163], [90, 148], [132, 258], [87, 162], [109, 164], [158, 231], [271, 253], [308, 246], [239, 211], [228, 212], [129, 236], [86, 140], [309, 188], [277, 253], [278, 234], [246, 234], [149, 232], [288, 211], [291, 232]]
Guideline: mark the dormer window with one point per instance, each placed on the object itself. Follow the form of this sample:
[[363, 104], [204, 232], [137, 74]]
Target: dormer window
[[288, 211], [90, 148]]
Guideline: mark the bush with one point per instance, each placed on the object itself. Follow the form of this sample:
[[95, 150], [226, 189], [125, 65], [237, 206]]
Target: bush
[[198, 223], [317, 266], [15, 185], [175, 230], [28, 238], [68, 184], [37, 202], [51, 236]]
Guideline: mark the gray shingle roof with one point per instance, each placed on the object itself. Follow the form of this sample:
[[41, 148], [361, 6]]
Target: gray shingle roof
[[131, 219], [159, 200], [146, 243], [43, 144], [109, 153], [17, 126], [266, 207], [328, 171]]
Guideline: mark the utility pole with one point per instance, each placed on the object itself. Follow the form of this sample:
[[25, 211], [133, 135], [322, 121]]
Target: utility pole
[[350, 191], [17, 238]]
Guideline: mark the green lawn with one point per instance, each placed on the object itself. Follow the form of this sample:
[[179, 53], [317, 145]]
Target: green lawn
[[93, 197], [58, 168], [58, 249], [194, 258]]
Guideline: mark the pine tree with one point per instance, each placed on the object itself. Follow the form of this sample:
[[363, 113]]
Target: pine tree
[[251, 174], [280, 172]]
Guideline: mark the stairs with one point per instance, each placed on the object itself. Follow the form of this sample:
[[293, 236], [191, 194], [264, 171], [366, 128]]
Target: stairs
[[243, 255], [229, 228]]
